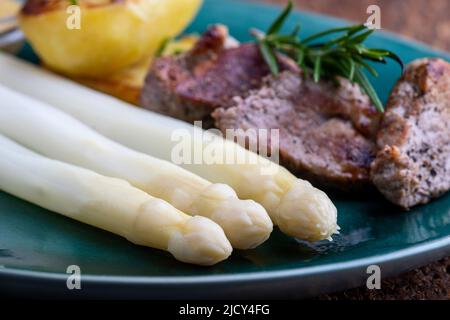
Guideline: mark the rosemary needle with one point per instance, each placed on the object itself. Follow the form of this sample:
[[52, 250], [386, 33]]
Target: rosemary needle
[[345, 55]]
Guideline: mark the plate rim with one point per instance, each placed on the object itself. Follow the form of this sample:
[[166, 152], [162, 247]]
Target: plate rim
[[431, 246], [414, 251]]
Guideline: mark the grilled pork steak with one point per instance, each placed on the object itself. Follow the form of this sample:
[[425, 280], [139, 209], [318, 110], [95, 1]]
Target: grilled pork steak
[[190, 86], [325, 129], [413, 164]]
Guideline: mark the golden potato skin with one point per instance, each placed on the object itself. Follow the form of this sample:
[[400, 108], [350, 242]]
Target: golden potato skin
[[126, 84], [114, 34]]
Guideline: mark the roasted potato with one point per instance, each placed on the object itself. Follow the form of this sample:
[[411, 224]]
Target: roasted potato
[[127, 83], [113, 34]]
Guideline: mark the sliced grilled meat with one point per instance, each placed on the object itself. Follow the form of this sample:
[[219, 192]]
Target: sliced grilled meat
[[190, 86], [326, 129], [413, 164]]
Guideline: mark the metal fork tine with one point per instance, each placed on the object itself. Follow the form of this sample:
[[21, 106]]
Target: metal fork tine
[[8, 19], [7, 25], [11, 37]]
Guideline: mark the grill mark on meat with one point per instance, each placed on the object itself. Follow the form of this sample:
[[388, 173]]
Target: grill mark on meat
[[413, 164]]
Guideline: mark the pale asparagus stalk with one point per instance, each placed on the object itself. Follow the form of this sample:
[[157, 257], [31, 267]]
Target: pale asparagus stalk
[[59, 136], [110, 204], [299, 209]]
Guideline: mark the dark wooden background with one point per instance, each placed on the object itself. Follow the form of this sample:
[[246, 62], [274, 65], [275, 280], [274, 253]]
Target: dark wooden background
[[427, 21], [424, 20]]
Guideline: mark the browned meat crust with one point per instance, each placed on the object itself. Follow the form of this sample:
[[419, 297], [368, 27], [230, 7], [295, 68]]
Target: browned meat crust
[[189, 87], [413, 164], [325, 128]]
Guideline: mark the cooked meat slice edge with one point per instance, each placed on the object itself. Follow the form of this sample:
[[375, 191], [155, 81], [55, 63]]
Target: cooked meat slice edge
[[191, 86], [324, 131], [413, 163]]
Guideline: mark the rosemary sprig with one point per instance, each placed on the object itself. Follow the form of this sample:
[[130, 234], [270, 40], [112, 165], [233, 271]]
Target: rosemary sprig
[[344, 55]]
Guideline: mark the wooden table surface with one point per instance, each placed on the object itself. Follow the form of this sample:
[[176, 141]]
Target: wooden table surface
[[424, 20], [427, 21]]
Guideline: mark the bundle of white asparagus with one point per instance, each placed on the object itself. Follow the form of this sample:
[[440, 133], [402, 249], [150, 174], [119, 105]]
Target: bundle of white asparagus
[[294, 205], [110, 204], [57, 135]]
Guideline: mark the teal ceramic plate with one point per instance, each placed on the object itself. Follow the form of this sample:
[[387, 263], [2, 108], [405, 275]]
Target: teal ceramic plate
[[37, 246]]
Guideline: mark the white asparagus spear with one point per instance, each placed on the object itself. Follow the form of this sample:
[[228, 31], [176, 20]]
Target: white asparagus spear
[[110, 204], [299, 209], [59, 136]]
